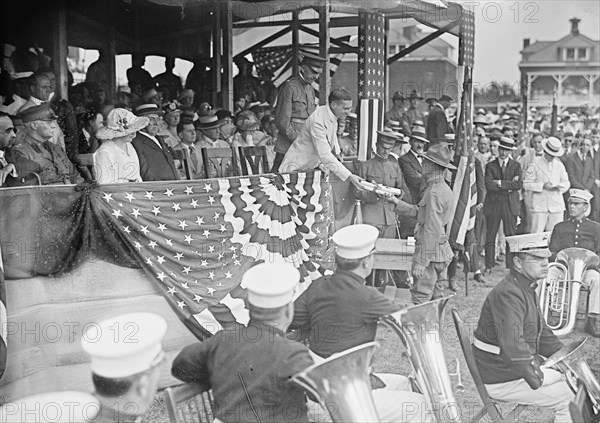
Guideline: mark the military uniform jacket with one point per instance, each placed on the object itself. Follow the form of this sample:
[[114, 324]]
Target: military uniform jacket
[[265, 360], [44, 158], [295, 103], [583, 233], [340, 312], [394, 114], [512, 182], [435, 212], [437, 124], [511, 320], [156, 163], [376, 210], [412, 171], [409, 117]]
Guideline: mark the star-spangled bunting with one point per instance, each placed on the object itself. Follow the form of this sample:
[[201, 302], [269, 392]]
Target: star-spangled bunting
[[466, 46], [196, 239], [371, 42]]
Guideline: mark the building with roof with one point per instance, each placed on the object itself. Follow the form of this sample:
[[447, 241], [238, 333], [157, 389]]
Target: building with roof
[[431, 69], [568, 68]]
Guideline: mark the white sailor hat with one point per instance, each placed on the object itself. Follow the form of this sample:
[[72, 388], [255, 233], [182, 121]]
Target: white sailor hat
[[125, 345], [271, 285], [535, 244], [579, 196], [355, 241]]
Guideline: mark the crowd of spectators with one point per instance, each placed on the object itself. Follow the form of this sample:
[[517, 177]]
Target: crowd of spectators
[[179, 122]]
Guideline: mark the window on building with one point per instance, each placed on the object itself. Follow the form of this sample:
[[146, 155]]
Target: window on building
[[570, 54], [582, 53], [392, 49]]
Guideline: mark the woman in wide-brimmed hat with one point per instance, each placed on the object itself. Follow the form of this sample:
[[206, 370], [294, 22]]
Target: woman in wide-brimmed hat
[[248, 131], [116, 161]]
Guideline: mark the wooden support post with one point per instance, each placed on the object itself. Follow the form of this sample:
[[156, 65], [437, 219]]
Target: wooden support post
[[111, 52], [295, 41], [216, 53], [227, 62], [59, 44], [325, 78]]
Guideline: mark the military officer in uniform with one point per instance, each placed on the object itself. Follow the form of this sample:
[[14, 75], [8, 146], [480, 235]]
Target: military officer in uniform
[[397, 110], [432, 249], [126, 353], [579, 231], [512, 336], [249, 367], [339, 312], [380, 210], [413, 113], [295, 103]]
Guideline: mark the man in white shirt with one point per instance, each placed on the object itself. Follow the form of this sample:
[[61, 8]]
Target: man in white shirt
[[545, 180], [317, 144]]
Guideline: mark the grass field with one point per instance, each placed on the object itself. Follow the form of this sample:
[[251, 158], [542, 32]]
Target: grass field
[[388, 358]]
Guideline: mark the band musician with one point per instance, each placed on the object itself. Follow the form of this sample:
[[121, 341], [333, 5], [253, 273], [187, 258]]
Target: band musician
[[512, 336], [579, 231]]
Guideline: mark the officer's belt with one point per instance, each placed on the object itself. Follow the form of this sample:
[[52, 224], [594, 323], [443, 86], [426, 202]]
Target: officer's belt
[[484, 346], [297, 120]]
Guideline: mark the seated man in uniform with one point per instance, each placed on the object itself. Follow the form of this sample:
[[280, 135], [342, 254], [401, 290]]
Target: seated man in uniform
[[339, 312], [579, 231], [36, 153], [249, 368], [512, 336], [125, 373]]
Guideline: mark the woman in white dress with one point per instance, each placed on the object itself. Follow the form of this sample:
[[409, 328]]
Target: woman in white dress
[[116, 160]]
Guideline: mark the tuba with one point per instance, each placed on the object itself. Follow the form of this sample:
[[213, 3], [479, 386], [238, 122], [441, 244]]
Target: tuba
[[559, 292], [342, 384], [419, 328], [570, 360]]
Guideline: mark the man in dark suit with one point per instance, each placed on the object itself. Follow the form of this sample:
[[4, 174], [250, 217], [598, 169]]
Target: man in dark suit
[[503, 181], [411, 162], [437, 123], [580, 167], [156, 159]]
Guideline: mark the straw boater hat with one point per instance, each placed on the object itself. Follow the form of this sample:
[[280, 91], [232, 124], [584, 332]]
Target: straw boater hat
[[209, 122], [507, 143], [418, 132], [440, 154], [553, 146], [121, 122], [148, 109]]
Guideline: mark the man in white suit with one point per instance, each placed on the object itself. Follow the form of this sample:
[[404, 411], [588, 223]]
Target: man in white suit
[[545, 180], [317, 144]]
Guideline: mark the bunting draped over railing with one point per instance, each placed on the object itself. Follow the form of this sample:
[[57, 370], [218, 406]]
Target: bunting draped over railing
[[194, 239]]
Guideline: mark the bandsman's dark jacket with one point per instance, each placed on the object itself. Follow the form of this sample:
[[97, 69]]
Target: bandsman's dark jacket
[[584, 233], [260, 356], [511, 320]]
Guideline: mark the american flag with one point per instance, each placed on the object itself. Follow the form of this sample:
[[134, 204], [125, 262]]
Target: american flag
[[372, 54], [371, 80], [466, 46], [196, 239], [464, 185]]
